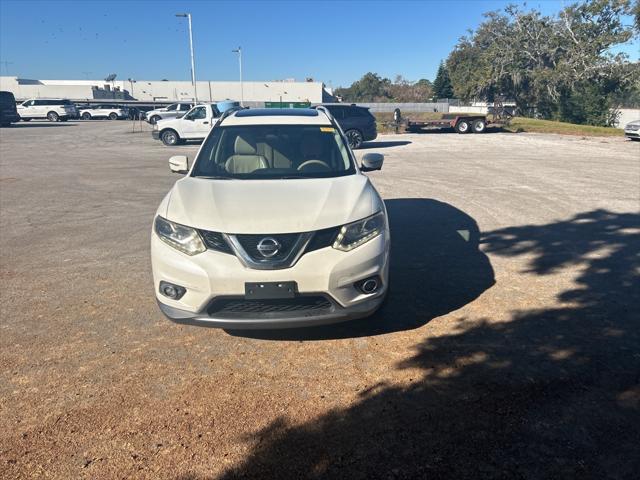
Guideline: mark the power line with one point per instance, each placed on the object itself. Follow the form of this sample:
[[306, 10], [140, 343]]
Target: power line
[[6, 66]]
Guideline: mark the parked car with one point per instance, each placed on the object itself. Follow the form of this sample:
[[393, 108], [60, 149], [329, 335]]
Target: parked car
[[357, 123], [8, 110], [194, 125], [632, 130], [171, 111], [53, 109], [112, 112], [274, 225]]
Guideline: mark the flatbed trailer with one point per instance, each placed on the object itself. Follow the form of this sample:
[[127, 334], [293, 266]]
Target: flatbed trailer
[[461, 123]]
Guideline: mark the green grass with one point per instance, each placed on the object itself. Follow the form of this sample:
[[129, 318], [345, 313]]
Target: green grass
[[522, 124]]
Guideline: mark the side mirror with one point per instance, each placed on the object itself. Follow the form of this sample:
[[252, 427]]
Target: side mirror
[[179, 164], [371, 161]]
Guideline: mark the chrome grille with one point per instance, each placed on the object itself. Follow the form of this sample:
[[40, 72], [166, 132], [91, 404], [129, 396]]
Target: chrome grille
[[287, 243]]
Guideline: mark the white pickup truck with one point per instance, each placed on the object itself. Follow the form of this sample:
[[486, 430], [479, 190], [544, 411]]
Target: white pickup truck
[[194, 125]]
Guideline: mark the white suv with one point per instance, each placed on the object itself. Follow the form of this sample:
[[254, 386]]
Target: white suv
[[273, 226], [112, 112], [53, 109]]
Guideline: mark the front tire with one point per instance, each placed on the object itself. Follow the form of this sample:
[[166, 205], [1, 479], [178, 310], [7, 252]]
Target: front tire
[[53, 117], [153, 120], [479, 126], [170, 138], [462, 126], [86, 116], [354, 137], [25, 119], [113, 116]]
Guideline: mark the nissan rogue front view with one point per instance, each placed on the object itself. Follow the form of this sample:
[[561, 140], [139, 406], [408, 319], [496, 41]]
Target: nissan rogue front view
[[274, 225]]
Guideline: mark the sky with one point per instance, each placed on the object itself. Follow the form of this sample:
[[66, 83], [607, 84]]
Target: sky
[[330, 41]]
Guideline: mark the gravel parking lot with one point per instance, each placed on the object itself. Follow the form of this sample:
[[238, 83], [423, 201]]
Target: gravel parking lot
[[508, 348]]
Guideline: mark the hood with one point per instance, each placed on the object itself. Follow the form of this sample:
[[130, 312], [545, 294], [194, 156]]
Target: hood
[[271, 206]]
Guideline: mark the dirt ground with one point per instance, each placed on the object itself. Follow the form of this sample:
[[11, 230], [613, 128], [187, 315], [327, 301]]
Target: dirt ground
[[509, 346]]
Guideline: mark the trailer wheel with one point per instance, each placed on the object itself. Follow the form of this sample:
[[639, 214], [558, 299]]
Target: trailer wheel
[[462, 126], [479, 126]]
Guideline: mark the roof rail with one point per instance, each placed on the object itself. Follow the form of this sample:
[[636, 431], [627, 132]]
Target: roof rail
[[326, 111], [227, 113]]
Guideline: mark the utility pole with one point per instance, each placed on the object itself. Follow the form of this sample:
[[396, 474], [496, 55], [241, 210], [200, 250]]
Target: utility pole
[[193, 62], [239, 52]]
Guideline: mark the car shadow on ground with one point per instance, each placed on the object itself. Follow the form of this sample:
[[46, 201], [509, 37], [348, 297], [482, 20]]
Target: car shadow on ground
[[553, 392], [384, 144], [435, 267], [33, 124]]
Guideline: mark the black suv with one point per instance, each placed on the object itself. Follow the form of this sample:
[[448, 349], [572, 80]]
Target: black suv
[[8, 111], [357, 123]]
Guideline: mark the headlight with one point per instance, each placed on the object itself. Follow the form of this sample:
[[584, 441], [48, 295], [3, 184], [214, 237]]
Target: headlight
[[356, 233], [185, 239]]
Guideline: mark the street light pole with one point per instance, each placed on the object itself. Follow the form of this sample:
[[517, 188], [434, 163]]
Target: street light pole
[[193, 62], [239, 52]]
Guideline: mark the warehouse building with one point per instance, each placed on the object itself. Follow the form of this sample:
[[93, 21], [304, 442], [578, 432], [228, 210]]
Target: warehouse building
[[166, 90]]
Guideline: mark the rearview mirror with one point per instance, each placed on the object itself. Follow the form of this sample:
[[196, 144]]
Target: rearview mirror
[[180, 115], [179, 164], [371, 161]]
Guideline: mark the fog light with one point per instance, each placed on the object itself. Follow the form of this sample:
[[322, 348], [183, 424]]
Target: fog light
[[368, 285], [174, 292]]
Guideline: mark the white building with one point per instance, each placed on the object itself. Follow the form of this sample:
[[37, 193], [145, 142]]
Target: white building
[[168, 91]]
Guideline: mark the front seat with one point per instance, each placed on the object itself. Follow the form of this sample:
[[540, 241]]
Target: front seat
[[245, 158]]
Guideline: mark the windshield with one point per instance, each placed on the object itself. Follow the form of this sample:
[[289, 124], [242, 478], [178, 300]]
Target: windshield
[[274, 152]]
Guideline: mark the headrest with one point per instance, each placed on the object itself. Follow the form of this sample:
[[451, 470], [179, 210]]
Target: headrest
[[244, 146]]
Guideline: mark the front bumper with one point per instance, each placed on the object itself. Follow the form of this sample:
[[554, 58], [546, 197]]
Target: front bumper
[[253, 321], [632, 133], [155, 134], [327, 273]]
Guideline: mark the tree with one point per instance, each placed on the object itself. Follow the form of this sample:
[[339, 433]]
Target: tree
[[559, 67], [373, 88], [370, 88], [442, 87]]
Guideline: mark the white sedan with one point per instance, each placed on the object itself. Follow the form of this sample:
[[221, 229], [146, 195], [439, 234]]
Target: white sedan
[[112, 112], [632, 130]]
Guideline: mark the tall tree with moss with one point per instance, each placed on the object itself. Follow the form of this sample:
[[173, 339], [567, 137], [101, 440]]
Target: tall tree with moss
[[559, 67]]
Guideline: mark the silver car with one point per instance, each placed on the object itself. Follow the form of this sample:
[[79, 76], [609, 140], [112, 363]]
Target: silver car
[[632, 130], [171, 111]]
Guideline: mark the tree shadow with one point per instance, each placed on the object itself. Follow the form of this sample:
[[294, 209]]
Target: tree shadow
[[552, 393], [436, 267]]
